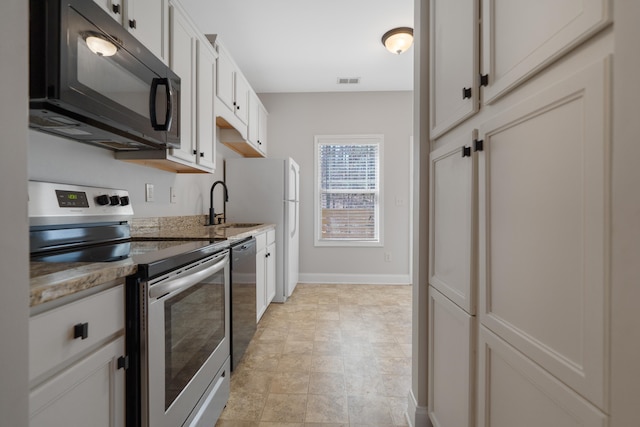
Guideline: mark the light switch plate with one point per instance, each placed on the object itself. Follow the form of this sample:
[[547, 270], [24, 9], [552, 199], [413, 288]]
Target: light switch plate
[[148, 192]]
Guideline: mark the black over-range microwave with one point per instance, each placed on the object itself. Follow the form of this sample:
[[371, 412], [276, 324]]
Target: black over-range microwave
[[92, 81]]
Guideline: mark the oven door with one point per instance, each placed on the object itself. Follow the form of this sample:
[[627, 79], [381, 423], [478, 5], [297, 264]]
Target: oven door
[[187, 336]]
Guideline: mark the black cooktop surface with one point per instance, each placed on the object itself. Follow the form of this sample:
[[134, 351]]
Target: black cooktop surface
[[152, 256]]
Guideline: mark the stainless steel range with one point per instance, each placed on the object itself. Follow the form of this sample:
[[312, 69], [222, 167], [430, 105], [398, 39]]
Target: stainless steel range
[[177, 305]]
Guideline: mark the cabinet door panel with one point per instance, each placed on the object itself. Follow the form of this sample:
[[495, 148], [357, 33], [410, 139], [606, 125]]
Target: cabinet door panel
[[147, 25], [520, 37], [452, 221], [451, 362], [206, 120], [514, 391], [183, 48], [224, 75], [262, 130], [270, 273], [544, 232], [241, 98], [90, 392], [261, 291], [454, 62]]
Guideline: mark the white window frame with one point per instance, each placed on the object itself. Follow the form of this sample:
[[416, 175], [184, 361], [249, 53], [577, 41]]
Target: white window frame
[[347, 140]]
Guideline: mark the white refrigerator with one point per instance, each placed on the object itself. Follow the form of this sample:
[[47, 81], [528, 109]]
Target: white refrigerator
[[268, 191]]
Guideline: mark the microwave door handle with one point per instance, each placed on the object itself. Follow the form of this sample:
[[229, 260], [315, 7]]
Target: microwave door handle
[[157, 81]]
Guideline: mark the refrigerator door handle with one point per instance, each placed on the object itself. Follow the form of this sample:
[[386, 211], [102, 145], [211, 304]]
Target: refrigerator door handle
[[295, 220]]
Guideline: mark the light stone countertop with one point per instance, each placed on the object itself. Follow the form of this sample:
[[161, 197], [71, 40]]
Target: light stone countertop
[[50, 281]]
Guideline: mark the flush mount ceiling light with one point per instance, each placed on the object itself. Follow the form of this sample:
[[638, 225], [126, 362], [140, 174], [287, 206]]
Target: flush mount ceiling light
[[99, 45], [398, 40]]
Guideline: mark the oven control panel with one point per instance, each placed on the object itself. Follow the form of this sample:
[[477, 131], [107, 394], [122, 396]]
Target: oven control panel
[[54, 203]]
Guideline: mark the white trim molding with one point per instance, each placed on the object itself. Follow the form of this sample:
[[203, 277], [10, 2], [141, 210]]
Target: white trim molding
[[417, 416], [349, 279]]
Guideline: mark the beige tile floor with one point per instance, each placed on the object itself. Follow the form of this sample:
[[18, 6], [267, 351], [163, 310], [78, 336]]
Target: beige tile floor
[[333, 355]]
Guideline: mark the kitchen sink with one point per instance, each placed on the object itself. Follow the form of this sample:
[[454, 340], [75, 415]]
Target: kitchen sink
[[240, 225]]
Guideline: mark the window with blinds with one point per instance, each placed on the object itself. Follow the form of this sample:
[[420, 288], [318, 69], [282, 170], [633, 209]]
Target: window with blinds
[[348, 189]]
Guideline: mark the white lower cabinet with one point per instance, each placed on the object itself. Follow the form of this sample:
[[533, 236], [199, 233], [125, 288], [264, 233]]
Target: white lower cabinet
[[270, 267], [514, 391], [265, 271], [76, 363], [452, 333], [89, 392]]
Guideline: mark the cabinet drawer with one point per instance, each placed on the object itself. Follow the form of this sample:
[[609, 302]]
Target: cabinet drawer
[[261, 241], [271, 236], [51, 334]]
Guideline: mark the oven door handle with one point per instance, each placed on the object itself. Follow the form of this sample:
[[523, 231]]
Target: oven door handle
[[182, 283]]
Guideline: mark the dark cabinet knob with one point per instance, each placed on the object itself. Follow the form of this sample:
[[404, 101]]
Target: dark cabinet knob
[[466, 151], [466, 92], [102, 200], [115, 8], [81, 330], [195, 152], [114, 200], [132, 23], [123, 362], [238, 107], [201, 154]]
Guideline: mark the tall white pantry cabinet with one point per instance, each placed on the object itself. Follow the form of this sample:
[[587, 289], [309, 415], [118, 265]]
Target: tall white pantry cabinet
[[520, 212]]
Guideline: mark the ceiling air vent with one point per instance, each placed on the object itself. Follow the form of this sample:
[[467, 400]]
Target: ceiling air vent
[[348, 80]]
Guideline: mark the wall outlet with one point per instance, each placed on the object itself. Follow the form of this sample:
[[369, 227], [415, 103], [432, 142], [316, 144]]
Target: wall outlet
[[173, 195], [148, 192], [387, 257]]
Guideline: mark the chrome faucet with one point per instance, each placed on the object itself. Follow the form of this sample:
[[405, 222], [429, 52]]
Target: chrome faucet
[[212, 214]]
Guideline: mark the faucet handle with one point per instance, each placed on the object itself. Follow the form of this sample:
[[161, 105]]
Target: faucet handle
[[220, 217]]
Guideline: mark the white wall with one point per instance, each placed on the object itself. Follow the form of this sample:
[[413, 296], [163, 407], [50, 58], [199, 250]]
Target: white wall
[[62, 160], [294, 120], [14, 246]]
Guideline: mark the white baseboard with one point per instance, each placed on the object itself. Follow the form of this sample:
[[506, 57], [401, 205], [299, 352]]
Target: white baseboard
[[369, 279], [417, 416]]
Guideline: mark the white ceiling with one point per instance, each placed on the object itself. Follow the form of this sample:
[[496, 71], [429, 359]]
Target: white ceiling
[[306, 45]]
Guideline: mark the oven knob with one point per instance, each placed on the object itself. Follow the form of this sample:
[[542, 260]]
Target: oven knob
[[124, 200], [114, 200], [102, 200]]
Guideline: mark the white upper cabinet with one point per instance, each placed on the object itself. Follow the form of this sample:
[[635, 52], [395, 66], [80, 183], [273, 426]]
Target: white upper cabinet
[[183, 63], [206, 140], [257, 131], [520, 37], [225, 78], [544, 229], [144, 19], [454, 63], [193, 59], [453, 222], [239, 112], [232, 90]]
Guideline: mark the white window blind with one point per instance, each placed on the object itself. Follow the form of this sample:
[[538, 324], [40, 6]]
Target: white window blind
[[348, 189]]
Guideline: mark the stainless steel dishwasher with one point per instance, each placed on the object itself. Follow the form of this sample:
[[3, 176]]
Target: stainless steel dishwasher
[[243, 297]]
